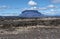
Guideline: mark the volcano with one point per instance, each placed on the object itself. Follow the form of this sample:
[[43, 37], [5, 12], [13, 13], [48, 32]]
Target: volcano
[[31, 14]]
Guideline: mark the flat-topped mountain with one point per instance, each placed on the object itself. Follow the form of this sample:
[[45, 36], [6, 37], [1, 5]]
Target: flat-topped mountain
[[31, 14]]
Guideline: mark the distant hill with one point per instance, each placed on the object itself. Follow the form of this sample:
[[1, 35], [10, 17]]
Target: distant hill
[[9, 17]]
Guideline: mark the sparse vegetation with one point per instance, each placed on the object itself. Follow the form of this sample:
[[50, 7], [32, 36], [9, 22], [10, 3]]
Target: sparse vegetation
[[28, 22]]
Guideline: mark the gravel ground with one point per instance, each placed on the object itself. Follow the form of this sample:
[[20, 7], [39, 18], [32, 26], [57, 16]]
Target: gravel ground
[[34, 33]]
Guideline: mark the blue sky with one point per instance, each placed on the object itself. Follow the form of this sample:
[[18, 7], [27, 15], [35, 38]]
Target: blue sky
[[15, 7]]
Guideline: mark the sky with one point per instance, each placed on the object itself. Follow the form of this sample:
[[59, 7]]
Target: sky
[[15, 7]]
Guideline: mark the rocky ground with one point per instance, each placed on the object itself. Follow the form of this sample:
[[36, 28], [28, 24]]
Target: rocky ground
[[34, 32]]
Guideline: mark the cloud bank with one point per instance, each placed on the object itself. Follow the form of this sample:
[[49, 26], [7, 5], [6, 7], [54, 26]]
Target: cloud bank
[[55, 1]]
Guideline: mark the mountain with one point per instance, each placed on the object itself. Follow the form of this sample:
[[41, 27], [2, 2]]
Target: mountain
[[28, 14], [31, 14]]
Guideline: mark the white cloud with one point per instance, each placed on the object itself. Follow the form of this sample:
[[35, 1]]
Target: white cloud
[[32, 3], [51, 6], [55, 1], [8, 14], [51, 12], [4, 7]]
